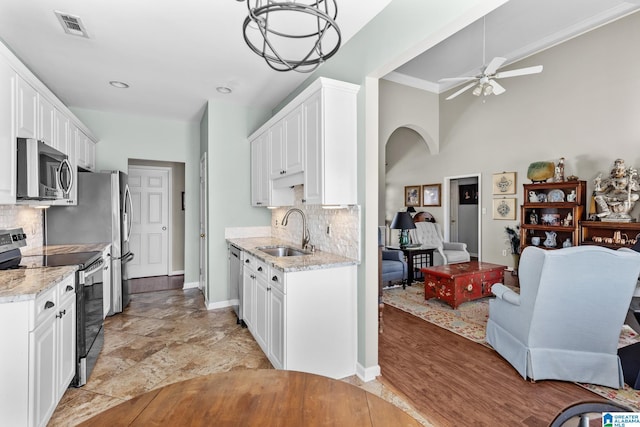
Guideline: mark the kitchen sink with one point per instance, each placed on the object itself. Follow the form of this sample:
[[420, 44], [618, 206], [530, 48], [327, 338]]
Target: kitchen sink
[[280, 251]]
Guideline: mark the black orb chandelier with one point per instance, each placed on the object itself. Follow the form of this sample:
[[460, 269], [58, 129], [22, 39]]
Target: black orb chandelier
[[292, 35]]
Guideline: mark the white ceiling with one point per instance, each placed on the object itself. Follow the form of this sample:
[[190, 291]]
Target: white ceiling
[[174, 53], [515, 30]]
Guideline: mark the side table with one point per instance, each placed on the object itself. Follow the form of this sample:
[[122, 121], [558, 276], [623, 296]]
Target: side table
[[411, 253]]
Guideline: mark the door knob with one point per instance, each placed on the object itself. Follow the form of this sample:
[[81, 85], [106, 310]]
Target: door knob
[[202, 235], [164, 228]]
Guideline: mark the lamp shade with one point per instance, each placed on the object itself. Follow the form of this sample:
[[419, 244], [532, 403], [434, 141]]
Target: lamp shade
[[411, 209], [402, 221]]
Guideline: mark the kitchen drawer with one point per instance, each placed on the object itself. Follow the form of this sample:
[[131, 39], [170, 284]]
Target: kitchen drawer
[[261, 268], [45, 305], [67, 289], [276, 279]]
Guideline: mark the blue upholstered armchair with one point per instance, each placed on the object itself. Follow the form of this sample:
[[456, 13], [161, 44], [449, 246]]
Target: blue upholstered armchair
[[565, 323], [394, 267]]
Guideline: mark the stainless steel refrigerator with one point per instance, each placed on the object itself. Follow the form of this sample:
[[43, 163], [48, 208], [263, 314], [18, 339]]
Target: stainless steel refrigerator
[[103, 215]]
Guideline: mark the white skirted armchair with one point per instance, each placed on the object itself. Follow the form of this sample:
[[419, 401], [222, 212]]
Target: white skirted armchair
[[430, 234], [565, 323]]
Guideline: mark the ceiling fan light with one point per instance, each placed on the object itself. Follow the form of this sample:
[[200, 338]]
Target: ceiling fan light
[[477, 90], [488, 90]]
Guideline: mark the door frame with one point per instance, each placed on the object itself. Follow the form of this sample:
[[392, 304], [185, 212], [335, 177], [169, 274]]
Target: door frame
[[446, 205], [170, 208], [203, 228]]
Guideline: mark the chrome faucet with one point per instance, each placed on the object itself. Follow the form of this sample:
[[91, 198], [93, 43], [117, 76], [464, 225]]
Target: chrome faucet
[[305, 230]]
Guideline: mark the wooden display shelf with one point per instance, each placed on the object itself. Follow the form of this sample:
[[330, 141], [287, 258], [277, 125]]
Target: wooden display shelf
[[630, 232]]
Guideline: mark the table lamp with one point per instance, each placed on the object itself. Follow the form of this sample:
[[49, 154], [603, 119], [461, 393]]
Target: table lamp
[[402, 221]]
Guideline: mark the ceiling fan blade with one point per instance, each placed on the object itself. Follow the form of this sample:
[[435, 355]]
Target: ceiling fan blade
[[494, 65], [467, 87], [519, 72], [497, 87]]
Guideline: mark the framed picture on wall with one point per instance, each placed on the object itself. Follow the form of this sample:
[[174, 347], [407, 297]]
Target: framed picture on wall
[[504, 208], [431, 195], [504, 183], [468, 194], [412, 195]]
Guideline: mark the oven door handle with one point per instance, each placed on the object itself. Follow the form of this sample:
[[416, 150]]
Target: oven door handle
[[98, 265]]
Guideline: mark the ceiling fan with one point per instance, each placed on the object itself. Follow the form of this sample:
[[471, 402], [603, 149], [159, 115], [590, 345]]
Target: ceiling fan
[[485, 83]]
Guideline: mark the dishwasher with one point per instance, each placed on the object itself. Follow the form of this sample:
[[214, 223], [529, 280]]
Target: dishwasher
[[235, 280]]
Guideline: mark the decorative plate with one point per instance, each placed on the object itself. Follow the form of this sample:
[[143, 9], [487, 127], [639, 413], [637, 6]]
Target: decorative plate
[[556, 196]]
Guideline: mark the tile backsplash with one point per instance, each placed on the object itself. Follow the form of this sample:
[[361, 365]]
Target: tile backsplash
[[30, 219], [343, 237]]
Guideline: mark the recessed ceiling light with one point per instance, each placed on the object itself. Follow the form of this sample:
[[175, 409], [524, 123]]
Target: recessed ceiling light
[[119, 85], [223, 89]]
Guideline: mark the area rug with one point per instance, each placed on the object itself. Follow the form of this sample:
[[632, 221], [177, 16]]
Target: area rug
[[469, 320]]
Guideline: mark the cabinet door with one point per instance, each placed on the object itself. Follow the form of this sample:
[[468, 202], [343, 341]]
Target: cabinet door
[[260, 171], [7, 139], [81, 149], [248, 296], [276, 328], [66, 324], [90, 155], [61, 128], [277, 167], [293, 160], [46, 128], [262, 314], [43, 391], [313, 164], [26, 110]]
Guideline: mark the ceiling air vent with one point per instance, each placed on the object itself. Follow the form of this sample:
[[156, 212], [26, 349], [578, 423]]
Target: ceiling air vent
[[71, 24]]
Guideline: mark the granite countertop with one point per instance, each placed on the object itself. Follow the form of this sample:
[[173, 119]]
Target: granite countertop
[[25, 284], [66, 249], [314, 261]]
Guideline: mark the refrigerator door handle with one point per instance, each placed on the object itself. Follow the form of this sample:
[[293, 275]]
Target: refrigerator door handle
[[128, 214], [127, 257]]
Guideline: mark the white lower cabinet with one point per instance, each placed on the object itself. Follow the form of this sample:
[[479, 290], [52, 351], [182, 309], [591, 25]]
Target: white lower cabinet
[[303, 320], [41, 334]]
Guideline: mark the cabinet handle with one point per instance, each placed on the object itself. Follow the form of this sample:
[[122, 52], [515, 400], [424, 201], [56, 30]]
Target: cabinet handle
[[274, 278], [259, 268], [268, 288], [48, 305], [69, 288], [246, 261]]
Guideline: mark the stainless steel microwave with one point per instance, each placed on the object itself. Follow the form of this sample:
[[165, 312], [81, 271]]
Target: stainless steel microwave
[[44, 173]]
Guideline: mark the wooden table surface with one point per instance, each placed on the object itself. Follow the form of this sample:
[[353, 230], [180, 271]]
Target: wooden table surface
[[255, 398]]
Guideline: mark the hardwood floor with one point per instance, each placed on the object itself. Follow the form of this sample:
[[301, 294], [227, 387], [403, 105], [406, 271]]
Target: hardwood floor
[[453, 381]]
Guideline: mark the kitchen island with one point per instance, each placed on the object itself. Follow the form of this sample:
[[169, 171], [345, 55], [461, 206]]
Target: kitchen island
[[301, 309]]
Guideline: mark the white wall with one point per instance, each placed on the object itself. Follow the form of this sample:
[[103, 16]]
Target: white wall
[[124, 136], [229, 185]]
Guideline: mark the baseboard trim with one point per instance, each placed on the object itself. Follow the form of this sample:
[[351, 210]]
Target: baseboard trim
[[190, 285], [367, 374], [177, 273], [218, 304]]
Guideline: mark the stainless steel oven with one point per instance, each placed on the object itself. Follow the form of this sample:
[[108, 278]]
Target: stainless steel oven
[[89, 304]]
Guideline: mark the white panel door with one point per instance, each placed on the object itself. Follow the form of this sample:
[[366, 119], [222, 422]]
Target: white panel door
[[150, 224]]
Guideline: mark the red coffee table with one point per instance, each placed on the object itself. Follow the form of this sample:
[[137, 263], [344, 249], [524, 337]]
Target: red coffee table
[[458, 283]]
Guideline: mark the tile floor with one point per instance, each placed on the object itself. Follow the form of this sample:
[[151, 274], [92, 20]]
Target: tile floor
[[169, 336]]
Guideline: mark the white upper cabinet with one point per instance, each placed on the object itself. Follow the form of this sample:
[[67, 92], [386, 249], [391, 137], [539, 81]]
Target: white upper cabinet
[[61, 131], [313, 141], [7, 138], [26, 110], [287, 146], [330, 135], [260, 171], [46, 128]]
